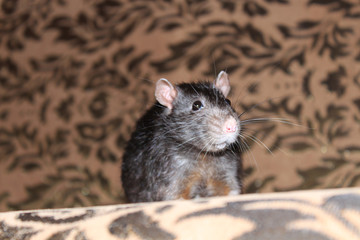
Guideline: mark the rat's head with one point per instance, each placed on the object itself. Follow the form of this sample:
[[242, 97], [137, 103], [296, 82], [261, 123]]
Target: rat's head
[[199, 114]]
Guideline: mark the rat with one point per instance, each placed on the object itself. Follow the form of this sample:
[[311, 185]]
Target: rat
[[187, 145]]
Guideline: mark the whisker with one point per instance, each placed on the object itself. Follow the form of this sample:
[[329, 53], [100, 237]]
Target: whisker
[[159, 105], [214, 63], [275, 147], [205, 146], [189, 140], [259, 142], [258, 104], [249, 153], [194, 89], [279, 120]]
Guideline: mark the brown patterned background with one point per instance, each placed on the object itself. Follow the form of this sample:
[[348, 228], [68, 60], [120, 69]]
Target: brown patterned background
[[76, 75]]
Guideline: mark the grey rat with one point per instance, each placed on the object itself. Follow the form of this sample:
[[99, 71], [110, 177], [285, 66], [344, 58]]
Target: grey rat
[[186, 145]]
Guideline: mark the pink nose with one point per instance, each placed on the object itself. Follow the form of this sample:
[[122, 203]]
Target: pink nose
[[230, 125]]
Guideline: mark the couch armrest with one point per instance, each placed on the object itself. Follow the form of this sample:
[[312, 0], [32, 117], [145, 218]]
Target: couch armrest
[[312, 214]]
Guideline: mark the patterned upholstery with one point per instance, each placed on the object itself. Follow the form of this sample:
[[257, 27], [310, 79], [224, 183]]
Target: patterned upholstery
[[311, 214]]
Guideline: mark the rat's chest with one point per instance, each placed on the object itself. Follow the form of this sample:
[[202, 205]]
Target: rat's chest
[[208, 177]]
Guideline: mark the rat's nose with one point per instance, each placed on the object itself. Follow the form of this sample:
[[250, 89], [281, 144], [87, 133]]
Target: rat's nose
[[230, 125]]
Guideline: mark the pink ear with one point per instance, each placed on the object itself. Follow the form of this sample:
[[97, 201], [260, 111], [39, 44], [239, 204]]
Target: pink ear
[[222, 83], [165, 93]]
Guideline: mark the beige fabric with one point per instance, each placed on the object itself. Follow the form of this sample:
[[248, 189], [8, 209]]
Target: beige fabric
[[322, 214], [76, 75]]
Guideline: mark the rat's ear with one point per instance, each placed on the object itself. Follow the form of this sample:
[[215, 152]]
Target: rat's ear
[[165, 93], [222, 83]]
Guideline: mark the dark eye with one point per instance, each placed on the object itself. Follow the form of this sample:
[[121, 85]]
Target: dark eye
[[228, 101], [197, 105]]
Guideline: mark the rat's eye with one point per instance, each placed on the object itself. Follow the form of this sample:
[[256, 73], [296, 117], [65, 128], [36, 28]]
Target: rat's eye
[[197, 105], [228, 101]]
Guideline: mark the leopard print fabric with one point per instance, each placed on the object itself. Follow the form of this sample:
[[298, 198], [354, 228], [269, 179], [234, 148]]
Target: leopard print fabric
[[76, 75], [321, 214]]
